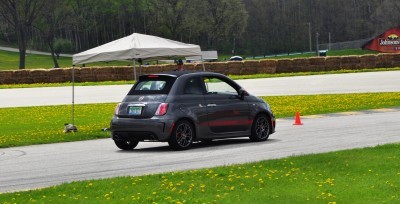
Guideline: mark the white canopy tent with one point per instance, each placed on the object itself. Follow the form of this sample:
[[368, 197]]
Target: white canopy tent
[[137, 46], [133, 47]]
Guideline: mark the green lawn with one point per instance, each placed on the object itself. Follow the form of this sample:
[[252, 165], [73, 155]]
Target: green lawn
[[10, 60], [329, 53], [370, 175], [44, 124]]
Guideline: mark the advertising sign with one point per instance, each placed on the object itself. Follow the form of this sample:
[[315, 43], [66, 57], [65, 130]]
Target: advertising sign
[[388, 41]]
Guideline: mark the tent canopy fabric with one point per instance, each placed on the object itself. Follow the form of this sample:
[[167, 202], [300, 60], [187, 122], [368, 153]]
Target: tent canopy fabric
[[136, 46]]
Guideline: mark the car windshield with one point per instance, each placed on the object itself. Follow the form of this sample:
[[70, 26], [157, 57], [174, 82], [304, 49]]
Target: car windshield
[[152, 84]]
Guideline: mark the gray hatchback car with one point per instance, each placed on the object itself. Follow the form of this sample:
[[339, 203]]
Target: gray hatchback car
[[183, 107]]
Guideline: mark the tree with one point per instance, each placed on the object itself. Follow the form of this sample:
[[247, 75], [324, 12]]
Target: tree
[[54, 14], [21, 14]]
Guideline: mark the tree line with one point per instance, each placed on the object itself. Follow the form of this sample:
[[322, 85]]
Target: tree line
[[249, 27]]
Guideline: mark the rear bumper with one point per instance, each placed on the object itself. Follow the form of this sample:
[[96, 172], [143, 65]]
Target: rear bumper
[[153, 129]]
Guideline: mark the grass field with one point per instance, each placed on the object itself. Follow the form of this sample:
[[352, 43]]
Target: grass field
[[10, 60], [370, 175], [44, 124]]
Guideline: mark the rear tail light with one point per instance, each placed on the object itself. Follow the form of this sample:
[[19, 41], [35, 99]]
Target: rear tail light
[[162, 109], [116, 111]]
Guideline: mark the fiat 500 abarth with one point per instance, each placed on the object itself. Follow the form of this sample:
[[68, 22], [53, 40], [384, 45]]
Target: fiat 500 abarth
[[183, 107]]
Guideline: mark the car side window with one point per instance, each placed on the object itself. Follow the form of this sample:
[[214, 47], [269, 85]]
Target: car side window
[[215, 85], [193, 86]]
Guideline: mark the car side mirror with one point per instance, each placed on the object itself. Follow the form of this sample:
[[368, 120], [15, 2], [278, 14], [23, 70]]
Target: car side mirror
[[243, 93]]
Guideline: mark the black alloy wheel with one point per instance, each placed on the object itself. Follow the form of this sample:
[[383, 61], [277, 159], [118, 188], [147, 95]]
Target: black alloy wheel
[[182, 136], [126, 144], [260, 129]]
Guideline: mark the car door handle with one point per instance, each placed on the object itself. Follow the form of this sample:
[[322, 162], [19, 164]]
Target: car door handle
[[211, 105]]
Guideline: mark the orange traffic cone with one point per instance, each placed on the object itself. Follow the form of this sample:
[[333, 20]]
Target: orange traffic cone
[[297, 120]]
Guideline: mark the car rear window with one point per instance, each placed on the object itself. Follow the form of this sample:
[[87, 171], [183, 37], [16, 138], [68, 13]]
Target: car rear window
[[152, 84]]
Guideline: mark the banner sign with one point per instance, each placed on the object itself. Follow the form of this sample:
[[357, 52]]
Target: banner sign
[[388, 41]]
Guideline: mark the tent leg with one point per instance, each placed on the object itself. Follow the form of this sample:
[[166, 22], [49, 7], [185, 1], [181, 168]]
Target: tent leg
[[134, 69], [73, 95], [71, 127], [202, 62]]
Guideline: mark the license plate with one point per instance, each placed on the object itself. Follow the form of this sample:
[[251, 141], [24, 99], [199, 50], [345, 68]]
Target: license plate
[[134, 110]]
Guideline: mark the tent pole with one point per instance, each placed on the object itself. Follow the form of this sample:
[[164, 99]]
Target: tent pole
[[73, 95], [134, 69], [202, 62]]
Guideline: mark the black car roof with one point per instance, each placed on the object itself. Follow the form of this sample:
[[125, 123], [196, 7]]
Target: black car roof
[[181, 73]]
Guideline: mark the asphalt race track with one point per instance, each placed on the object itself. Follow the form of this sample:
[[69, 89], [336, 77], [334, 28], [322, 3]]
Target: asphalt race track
[[29, 167], [387, 81], [44, 165]]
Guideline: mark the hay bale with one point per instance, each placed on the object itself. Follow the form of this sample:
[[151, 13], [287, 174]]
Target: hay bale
[[123, 73], [198, 67], [350, 62], [22, 77], [6, 77], [332, 63], [67, 73], [367, 61], [57, 76], [234, 67], [384, 60], [86, 74], [300, 65], [267, 66], [168, 67], [284, 66], [395, 59], [219, 67], [152, 69], [251, 67], [316, 64]]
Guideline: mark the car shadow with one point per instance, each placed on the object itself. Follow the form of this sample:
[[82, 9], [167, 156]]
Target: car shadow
[[233, 142]]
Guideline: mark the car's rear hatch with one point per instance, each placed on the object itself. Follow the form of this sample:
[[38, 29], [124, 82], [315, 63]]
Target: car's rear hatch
[[146, 96]]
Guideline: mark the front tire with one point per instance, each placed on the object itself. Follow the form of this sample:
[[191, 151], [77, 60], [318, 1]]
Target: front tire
[[182, 136], [260, 129], [126, 144]]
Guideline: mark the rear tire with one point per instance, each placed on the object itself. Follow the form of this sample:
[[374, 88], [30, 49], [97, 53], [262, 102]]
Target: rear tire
[[126, 144], [182, 136], [260, 129]]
